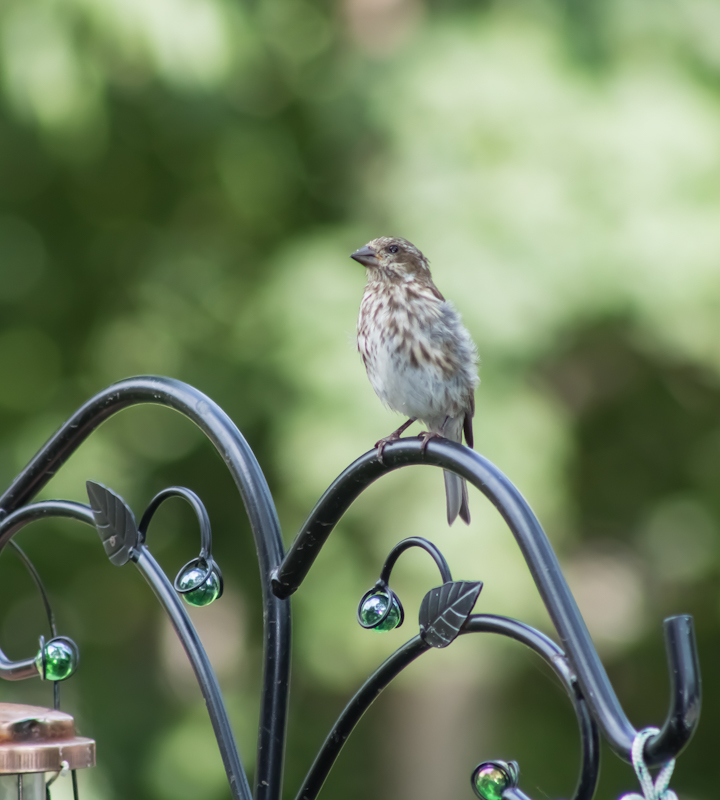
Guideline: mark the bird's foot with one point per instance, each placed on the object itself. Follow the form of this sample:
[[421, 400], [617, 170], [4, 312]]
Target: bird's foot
[[382, 443], [426, 436], [393, 437]]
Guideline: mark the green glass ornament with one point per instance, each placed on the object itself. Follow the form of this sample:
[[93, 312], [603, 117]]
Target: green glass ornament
[[373, 608], [201, 593], [61, 660], [489, 782]]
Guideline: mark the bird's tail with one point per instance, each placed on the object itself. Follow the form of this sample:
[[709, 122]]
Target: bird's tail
[[457, 498], [455, 487]]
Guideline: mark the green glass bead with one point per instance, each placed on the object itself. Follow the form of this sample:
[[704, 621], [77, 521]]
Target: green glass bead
[[491, 782], [60, 661], [374, 607], [201, 593]]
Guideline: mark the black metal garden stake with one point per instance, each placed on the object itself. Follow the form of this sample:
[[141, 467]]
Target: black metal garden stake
[[445, 613]]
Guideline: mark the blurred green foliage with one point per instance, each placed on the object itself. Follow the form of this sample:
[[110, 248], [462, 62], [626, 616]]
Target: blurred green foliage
[[181, 183]]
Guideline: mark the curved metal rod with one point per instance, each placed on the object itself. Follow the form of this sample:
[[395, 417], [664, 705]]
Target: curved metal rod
[[477, 623], [198, 507], [424, 544], [558, 661], [248, 477], [163, 589], [684, 712], [204, 673], [205, 558], [37, 580], [9, 526]]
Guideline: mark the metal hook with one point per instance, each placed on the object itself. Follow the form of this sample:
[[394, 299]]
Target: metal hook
[[204, 561], [198, 508], [424, 544], [61, 773]]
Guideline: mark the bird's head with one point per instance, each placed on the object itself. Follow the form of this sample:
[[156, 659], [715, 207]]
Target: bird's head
[[394, 258]]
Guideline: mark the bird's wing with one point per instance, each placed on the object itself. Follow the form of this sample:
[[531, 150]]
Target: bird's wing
[[467, 422]]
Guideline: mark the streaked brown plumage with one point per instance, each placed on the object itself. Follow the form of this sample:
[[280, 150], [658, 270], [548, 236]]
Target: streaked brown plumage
[[419, 357]]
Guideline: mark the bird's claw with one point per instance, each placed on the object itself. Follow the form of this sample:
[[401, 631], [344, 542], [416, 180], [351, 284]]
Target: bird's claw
[[426, 436], [381, 444], [393, 437]]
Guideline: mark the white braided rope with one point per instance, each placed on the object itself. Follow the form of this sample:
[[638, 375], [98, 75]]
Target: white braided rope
[[659, 790]]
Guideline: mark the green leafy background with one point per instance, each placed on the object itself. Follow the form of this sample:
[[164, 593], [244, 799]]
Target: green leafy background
[[181, 183]]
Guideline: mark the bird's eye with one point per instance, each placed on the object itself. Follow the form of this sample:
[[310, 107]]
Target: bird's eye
[[393, 248]]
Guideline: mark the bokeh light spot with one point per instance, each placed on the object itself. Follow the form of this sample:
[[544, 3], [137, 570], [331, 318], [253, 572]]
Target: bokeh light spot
[[31, 362], [22, 258]]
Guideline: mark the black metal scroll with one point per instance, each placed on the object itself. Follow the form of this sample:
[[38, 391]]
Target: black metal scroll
[[409, 652], [684, 712], [248, 476], [445, 614], [163, 589]]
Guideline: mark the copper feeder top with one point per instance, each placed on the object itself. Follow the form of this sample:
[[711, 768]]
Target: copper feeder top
[[36, 739]]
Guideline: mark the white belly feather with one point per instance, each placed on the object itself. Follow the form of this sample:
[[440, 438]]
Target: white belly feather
[[420, 364]]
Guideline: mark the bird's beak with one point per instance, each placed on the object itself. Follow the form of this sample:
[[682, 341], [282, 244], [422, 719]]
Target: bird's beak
[[366, 256]]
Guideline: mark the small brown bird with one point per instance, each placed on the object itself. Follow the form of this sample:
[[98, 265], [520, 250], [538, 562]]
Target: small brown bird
[[418, 355]]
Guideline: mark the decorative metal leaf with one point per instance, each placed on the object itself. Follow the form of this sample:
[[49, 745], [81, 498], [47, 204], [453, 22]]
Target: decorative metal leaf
[[444, 610], [114, 521]]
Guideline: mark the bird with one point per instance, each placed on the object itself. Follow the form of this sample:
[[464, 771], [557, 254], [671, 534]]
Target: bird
[[419, 357]]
